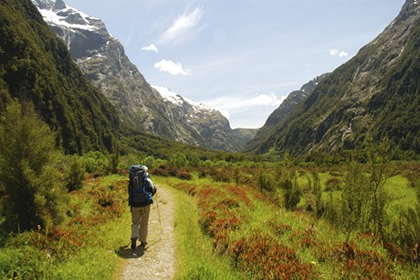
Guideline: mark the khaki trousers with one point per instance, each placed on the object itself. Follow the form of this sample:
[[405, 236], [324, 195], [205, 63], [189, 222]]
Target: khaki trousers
[[140, 222]]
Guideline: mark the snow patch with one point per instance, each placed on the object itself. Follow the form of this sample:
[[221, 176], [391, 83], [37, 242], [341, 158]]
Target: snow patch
[[169, 95], [175, 98], [52, 17]]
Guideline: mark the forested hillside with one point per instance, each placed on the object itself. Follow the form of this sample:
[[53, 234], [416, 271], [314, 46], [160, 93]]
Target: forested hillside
[[36, 67], [283, 111], [376, 93]]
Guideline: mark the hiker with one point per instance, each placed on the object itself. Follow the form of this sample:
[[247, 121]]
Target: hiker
[[140, 193]]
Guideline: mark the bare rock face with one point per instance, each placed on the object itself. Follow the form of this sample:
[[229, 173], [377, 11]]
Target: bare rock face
[[141, 107]]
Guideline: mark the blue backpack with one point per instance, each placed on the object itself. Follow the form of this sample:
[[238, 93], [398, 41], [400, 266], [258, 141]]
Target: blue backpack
[[139, 191]]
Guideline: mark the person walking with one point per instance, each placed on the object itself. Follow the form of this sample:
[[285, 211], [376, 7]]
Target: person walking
[[140, 196]]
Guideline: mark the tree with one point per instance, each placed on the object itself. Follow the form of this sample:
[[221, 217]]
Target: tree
[[34, 190], [354, 200], [178, 160], [378, 156]]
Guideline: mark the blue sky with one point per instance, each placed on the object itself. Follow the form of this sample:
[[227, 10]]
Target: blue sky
[[240, 57]]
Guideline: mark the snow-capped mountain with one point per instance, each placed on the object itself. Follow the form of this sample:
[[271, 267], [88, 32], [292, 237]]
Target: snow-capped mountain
[[204, 123], [155, 110], [176, 98]]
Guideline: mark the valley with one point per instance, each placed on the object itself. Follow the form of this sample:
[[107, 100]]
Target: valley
[[327, 188]]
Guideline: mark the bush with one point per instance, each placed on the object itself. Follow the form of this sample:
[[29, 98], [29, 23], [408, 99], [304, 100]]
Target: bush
[[184, 175], [96, 162], [333, 184], [74, 171], [33, 185]]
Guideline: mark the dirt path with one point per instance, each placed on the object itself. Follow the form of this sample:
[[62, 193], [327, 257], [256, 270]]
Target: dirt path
[[157, 261]]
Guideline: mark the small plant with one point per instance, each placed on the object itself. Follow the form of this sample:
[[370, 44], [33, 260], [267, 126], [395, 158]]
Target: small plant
[[184, 175], [333, 184]]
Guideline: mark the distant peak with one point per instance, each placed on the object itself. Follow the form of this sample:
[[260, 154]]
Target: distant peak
[[44, 4], [59, 5], [175, 98]]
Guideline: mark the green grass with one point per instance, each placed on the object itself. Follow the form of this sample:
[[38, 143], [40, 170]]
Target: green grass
[[194, 251], [89, 250], [323, 249], [101, 255], [99, 259]]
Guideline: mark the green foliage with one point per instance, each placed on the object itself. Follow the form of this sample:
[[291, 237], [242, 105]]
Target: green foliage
[[314, 195], [378, 174], [144, 145], [264, 181], [383, 101], [288, 182], [406, 231], [96, 162], [35, 194], [291, 191], [11, 260], [74, 171], [178, 160], [96, 225], [354, 200], [36, 66]]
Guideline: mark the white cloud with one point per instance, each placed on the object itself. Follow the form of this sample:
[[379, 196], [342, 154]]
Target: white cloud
[[335, 52], [151, 48], [229, 104], [174, 68], [343, 54], [181, 24]]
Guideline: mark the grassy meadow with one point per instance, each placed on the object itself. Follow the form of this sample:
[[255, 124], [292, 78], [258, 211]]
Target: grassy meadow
[[239, 220]]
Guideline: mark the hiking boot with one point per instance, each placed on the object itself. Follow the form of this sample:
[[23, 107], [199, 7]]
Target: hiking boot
[[133, 243], [143, 244]]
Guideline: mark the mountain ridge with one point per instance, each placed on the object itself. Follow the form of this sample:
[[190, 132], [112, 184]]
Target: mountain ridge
[[101, 57], [285, 109], [370, 94]]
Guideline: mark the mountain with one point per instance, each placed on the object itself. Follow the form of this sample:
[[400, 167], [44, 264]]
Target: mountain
[[101, 57], [244, 135], [375, 93], [284, 110], [35, 66], [196, 122]]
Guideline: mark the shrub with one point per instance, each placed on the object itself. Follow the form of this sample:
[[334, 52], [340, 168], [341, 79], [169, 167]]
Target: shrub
[[333, 184], [74, 171], [96, 162], [261, 257], [183, 175], [35, 193], [291, 192]]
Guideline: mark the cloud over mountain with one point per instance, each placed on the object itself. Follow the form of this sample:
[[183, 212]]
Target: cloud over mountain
[[336, 52], [151, 48], [181, 25], [173, 68]]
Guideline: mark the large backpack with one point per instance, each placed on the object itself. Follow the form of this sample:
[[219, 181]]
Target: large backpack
[[138, 188]]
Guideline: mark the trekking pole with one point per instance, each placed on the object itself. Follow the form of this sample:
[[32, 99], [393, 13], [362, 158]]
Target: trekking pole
[[158, 210], [160, 223]]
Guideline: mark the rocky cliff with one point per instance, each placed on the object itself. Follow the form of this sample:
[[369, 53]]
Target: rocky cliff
[[101, 57]]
